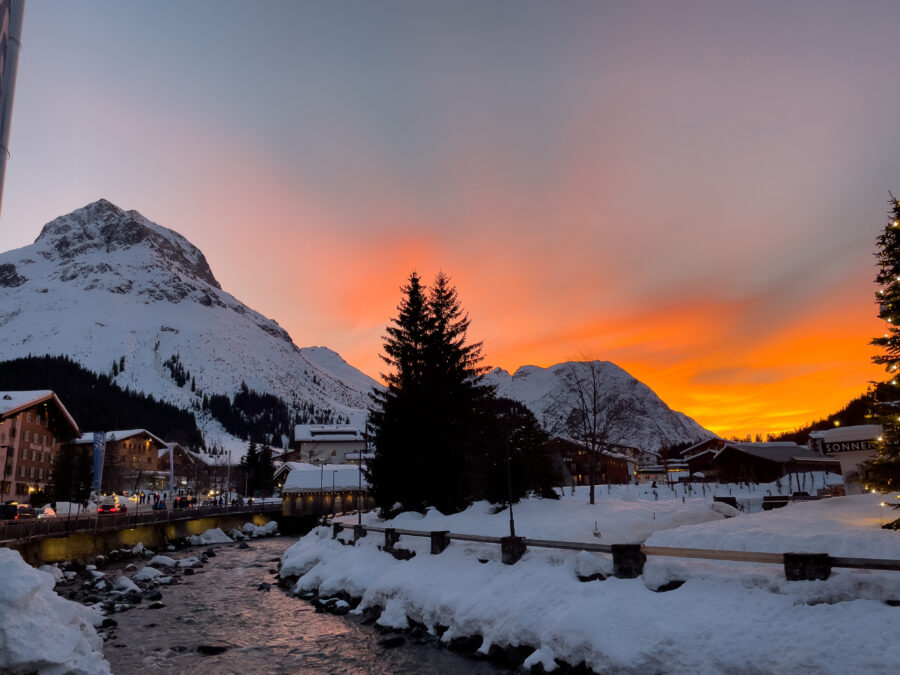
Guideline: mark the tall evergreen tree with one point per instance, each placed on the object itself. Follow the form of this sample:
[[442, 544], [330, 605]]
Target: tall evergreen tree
[[454, 376], [397, 422], [883, 472]]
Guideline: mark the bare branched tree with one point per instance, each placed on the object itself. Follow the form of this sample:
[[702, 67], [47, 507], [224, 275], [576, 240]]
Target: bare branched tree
[[587, 413]]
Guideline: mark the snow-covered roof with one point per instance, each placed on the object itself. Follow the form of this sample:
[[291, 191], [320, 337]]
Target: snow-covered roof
[[773, 452], [287, 467], [857, 432], [113, 436], [311, 477], [12, 402], [326, 433]]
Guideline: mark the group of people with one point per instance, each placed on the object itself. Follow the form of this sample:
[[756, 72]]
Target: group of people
[[144, 498]]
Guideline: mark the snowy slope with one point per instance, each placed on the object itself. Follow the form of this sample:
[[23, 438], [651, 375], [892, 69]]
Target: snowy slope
[[655, 424], [101, 283]]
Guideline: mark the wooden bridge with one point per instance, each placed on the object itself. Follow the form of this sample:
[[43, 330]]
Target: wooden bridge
[[35, 529]]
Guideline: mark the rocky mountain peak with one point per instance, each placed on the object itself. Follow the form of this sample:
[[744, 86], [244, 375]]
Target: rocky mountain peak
[[103, 227]]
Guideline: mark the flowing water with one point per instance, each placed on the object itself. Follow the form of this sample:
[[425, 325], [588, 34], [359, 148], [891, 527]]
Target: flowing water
[[264, 631]]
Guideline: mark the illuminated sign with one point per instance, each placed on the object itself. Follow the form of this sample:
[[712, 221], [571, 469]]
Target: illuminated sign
[[851, 446]]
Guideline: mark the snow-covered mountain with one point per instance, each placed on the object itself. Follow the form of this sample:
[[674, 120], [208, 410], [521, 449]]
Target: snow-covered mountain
[[655, 424], [100, 284]]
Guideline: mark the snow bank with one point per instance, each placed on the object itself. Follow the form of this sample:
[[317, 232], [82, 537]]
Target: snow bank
[[266, 530], [731, 617], [40, 631], [848, 526], [213, 536]]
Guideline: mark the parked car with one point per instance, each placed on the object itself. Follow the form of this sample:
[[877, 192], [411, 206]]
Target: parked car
[[25, 512], [111, 506], [45, 512]]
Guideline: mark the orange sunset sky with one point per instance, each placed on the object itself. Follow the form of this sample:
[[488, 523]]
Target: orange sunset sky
[[691, 190]]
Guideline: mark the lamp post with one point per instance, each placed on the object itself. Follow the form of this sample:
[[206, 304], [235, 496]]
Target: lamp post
[[512, 522], [333, 506]]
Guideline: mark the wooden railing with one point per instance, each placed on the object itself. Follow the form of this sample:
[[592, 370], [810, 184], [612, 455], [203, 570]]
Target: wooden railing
[[629, 559]]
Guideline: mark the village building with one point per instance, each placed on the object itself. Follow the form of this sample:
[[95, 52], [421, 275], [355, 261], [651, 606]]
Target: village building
[[767, 462], [130, 461], [33, 426], [615, 465], [319, 489], [320, 443], [699, 457], [187, 467], [851, 446]]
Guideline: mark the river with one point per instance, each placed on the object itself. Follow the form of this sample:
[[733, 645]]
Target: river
[[264, 631]]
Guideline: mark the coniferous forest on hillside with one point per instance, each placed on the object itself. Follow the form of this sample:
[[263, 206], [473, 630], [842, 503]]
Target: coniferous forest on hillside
[[96, 402]]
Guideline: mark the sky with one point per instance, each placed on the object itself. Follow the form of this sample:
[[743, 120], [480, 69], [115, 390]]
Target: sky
[[691, 190]]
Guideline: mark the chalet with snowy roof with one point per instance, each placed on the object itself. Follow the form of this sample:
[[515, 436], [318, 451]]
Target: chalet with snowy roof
[[318, 489], [851, 446], [319, 443], [33, 425], [767, 462], [699, 457], [131, 459]]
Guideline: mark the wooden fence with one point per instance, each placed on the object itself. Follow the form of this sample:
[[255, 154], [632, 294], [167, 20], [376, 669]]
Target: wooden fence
[[629, 559]]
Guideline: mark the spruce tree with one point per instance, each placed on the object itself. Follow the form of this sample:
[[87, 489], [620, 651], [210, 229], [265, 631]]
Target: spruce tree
[[883, 472], [398, 418], [458, 396]]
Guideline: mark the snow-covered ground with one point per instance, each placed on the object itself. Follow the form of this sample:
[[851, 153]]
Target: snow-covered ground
[[41, 632], [731, 617]]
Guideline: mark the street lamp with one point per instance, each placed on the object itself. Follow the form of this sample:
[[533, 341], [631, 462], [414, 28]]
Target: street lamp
[[333, 506], [512, 522]]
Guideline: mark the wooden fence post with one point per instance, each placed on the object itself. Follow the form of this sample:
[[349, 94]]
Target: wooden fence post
[[512, 549], [390, 538], [336, 529], [359, 531], [439, 541], [807, 566], [628, 560]]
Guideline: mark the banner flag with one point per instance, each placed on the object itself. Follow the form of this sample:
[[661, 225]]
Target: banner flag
[[99, 451]]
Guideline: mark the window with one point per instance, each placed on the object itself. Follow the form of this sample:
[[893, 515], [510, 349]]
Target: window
[[43, 458], [27, 434], [45, 439], [40, 473], [28, 416], [148, 460], [34, 455], [22, 471], [53, 440], [31, 473], [24, 453]]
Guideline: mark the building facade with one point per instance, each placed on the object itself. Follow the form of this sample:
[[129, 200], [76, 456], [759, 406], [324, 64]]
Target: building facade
[[33, 426]]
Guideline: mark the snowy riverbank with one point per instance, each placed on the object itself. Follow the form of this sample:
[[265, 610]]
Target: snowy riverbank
[[726, 616]]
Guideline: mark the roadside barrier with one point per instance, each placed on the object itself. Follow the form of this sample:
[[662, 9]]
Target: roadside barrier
[[629, 559]]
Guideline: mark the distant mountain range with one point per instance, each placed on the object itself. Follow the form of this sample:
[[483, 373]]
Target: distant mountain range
[[124, 296]]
